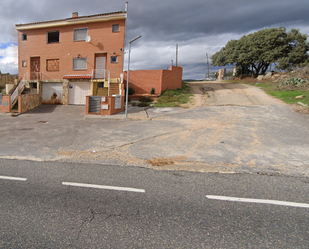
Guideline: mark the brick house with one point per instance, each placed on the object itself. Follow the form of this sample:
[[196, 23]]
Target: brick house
[[63, 61]]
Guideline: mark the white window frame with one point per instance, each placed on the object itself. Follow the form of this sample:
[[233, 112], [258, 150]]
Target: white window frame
[[116, 61], [81, 59], [115, 28], [75, 39]]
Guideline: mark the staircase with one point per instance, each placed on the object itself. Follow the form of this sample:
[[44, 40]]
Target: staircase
[[18, 90], [114, 89]]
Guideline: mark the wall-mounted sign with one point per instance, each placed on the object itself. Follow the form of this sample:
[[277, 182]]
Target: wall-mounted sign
[[117, 101], [104, 107], [103, 99]]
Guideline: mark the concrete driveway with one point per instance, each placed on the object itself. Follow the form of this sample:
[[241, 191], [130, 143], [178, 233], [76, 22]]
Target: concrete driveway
[[238, 128]]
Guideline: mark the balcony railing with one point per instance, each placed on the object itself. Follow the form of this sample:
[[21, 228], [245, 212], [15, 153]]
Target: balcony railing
[[100, 74], [36, 76]]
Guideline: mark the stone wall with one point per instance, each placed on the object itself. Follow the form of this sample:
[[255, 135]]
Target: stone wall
[[27, 102]]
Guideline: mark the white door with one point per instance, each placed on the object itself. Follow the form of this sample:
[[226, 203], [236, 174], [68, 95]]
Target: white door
[[78, 92], [100, 63], [52, 93]]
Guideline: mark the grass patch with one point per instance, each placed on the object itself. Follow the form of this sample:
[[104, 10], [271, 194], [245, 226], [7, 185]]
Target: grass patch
[[289, 96], [175, 98], [286, 94]]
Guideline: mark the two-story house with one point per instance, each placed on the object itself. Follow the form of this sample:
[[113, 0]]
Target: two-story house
[[66, 60]]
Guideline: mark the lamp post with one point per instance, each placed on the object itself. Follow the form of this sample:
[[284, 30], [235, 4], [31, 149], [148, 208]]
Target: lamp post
[[127, 89]]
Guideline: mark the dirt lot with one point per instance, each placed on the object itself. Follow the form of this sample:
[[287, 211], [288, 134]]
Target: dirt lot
[[213, 93]]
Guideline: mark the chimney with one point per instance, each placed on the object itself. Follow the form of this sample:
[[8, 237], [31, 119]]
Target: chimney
[[74, 14]]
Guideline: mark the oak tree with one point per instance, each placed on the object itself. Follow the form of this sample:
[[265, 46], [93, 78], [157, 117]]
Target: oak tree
[[257, 51]]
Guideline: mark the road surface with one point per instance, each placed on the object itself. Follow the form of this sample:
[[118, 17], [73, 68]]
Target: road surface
[[64, 205]]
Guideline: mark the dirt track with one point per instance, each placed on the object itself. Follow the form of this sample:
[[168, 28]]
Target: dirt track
[[213, 93]]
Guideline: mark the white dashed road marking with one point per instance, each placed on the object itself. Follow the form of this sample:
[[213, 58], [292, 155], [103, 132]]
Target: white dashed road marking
[[103, 187], [262, 201], [13, 178]]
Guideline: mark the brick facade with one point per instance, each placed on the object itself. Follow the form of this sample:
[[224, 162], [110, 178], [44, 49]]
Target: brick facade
[[52, 65], [110, 102], [142, 81], [5, 104], [56, 59]]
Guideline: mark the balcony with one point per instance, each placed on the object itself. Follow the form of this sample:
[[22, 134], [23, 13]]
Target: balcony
[[100, 74]]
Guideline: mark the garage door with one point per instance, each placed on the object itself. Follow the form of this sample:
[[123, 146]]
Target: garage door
[[78, 92], [52, 93]]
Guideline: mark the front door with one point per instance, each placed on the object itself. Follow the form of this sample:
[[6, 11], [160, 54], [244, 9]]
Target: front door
[[100, 64], [35, 68]]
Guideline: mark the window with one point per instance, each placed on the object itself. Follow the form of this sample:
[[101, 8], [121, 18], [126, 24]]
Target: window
[[115, 28], [114, 59], [24, 63], [100, 84], [80, 34], [79, 63], [52, 65], [24, 37], [33, 85], [53, 37]]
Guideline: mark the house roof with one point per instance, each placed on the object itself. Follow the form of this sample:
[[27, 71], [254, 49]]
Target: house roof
[[74, 20]]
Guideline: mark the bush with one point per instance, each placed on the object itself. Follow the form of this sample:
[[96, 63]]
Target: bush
[[145, 99], [143, 104], [131, 91], [294, 82]]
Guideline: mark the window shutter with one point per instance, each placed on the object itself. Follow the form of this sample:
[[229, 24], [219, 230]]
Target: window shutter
[[80, 34], [79, 63]]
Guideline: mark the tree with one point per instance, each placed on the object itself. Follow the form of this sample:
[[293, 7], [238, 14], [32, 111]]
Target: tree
[[257, 51]]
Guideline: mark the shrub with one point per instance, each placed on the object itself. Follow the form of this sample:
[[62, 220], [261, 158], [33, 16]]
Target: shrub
[[145, 99], [131, 91], [294, 82]]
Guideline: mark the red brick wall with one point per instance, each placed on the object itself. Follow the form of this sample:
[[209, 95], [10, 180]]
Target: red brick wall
[[142, 81], [102, 40], [6, 99], [110, 101], [52, 65], [172, 78]]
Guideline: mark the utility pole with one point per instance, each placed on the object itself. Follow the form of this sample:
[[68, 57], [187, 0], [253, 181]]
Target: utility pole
[[176, 54], [207, 64]]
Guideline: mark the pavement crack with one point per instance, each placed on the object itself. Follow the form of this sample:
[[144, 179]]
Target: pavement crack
[[88, 219], [75, 135]]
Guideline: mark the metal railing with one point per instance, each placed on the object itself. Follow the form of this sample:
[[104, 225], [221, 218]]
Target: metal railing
[[19, 88], [36, 76], [103, 74], [100, 74]]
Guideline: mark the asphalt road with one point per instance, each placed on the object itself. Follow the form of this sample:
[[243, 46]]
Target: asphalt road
[[131, 207]]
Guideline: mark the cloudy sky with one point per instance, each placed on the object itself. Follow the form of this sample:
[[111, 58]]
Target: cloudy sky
[[198, 26]]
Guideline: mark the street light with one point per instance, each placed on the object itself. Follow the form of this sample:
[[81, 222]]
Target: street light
[[127, 90]]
